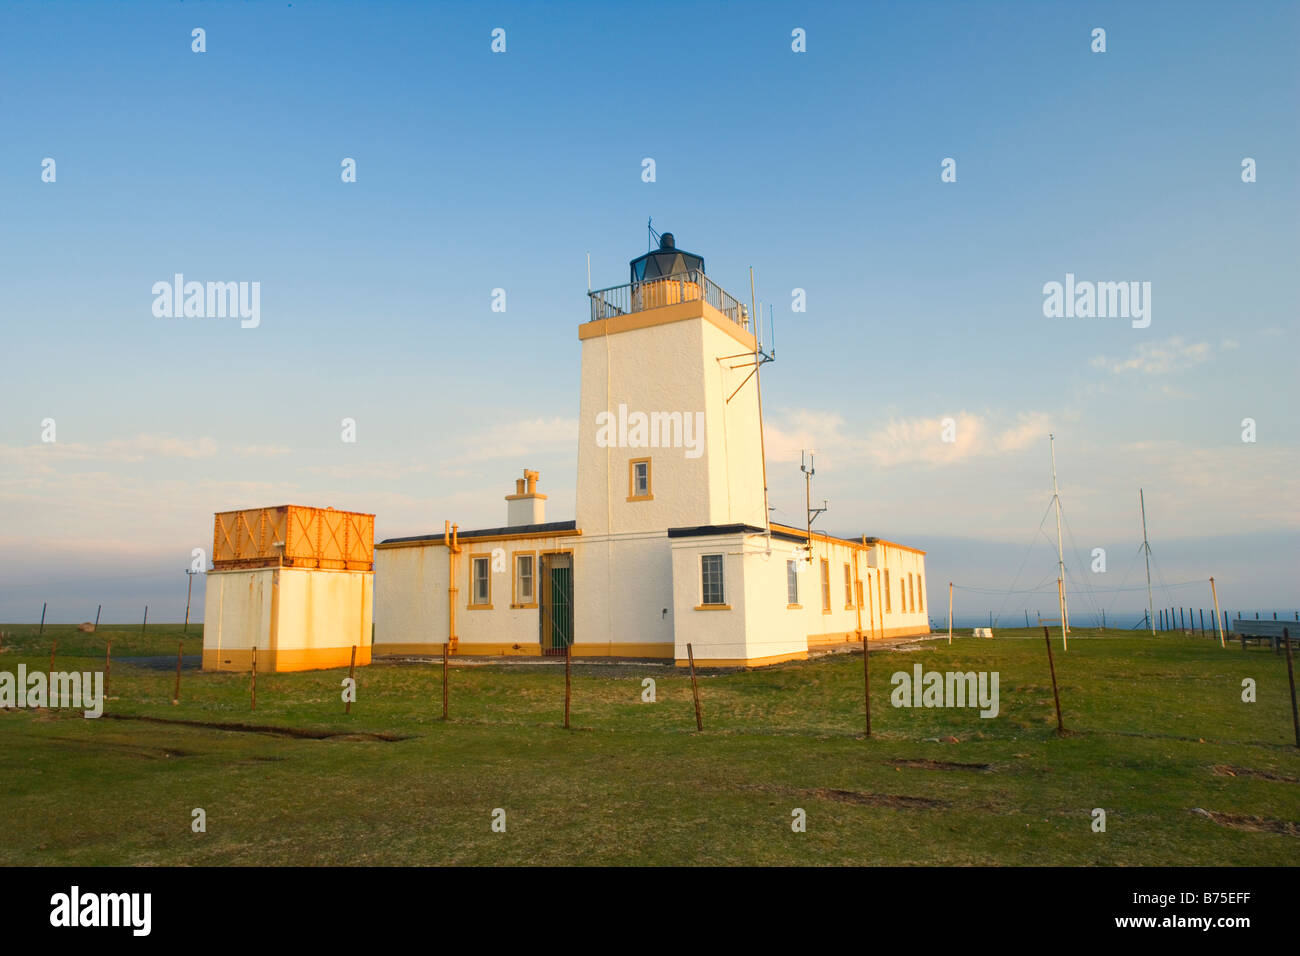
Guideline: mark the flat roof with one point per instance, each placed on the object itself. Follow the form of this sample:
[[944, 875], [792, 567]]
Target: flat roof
[[517, 531], [785, 533]]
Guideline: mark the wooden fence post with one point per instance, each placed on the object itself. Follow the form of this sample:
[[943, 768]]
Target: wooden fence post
[[254, 687], [866, 683], [568, 649], [445, 645], [695, 689], [1290, 673], [352, 667], [176, 695], [1056, 694]]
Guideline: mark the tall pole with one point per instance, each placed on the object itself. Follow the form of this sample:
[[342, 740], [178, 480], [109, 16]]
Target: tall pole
[[1060, 594], [1217, 626], [1060, 550], [1146, 552], [189, 589], [949, 612]]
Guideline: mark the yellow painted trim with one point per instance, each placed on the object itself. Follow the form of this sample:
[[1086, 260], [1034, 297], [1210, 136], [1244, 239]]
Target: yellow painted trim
[[744, 662], [907, 630], [631, 480], [893, 544], [794, 607], [403, 648], [463, 649], [612, 649], [818, 536], [665, 315], [713, 607], [514, 579], [486, 649], [474, 556], [489, 648], [832, 639], [430, 542], [525, 495], [282, 661]]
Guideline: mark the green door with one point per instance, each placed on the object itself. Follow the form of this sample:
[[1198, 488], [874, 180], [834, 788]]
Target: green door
[[556, 618]]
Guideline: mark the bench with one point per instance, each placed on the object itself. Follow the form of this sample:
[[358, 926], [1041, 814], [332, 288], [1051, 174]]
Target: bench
[[1265, 631]]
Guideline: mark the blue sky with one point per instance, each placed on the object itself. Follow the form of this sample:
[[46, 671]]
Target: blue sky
[[478, 171]]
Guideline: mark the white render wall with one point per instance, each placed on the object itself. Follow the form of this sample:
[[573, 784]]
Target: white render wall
[[297, 618], [908, 610], [734, 438], [651, 369], [623, 595], [237, 609], [760, 626], [410, 596], [678, 367], [714, 635]]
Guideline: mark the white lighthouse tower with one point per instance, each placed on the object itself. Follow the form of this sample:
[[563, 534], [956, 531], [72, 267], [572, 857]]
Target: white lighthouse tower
[[669, 436]]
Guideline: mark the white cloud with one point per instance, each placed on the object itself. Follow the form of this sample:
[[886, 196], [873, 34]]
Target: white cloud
[[519, 439], [901, 441], [1158, 358]]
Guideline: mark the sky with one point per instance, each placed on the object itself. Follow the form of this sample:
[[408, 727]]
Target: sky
[[822, 170]]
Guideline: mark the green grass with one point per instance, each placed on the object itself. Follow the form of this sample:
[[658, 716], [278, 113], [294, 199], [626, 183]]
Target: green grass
[[1153, 726]]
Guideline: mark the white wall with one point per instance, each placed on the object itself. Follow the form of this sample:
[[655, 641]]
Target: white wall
[[656, 369], [237, 609], [714, 635]]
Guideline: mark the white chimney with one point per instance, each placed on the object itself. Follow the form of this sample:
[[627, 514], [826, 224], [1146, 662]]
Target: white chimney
[[526, 505]]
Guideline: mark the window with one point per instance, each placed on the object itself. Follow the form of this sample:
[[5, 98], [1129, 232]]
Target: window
[[920, 591], [902, 596], [791, 584], [638, 480], [524, 593], [889, 603], [911, 594], [480, 594], [848, 587], [859, 584], [711, 589], [826, 586]]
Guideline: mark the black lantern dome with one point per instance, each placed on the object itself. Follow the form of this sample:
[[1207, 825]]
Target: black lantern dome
[[665, 261]]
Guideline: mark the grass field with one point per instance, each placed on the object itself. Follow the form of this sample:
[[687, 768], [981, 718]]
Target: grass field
[[1158, 736]]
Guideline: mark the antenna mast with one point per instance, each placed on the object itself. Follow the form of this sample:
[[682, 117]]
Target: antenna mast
[[809, 468], [1146, 550], [1060, 551]]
